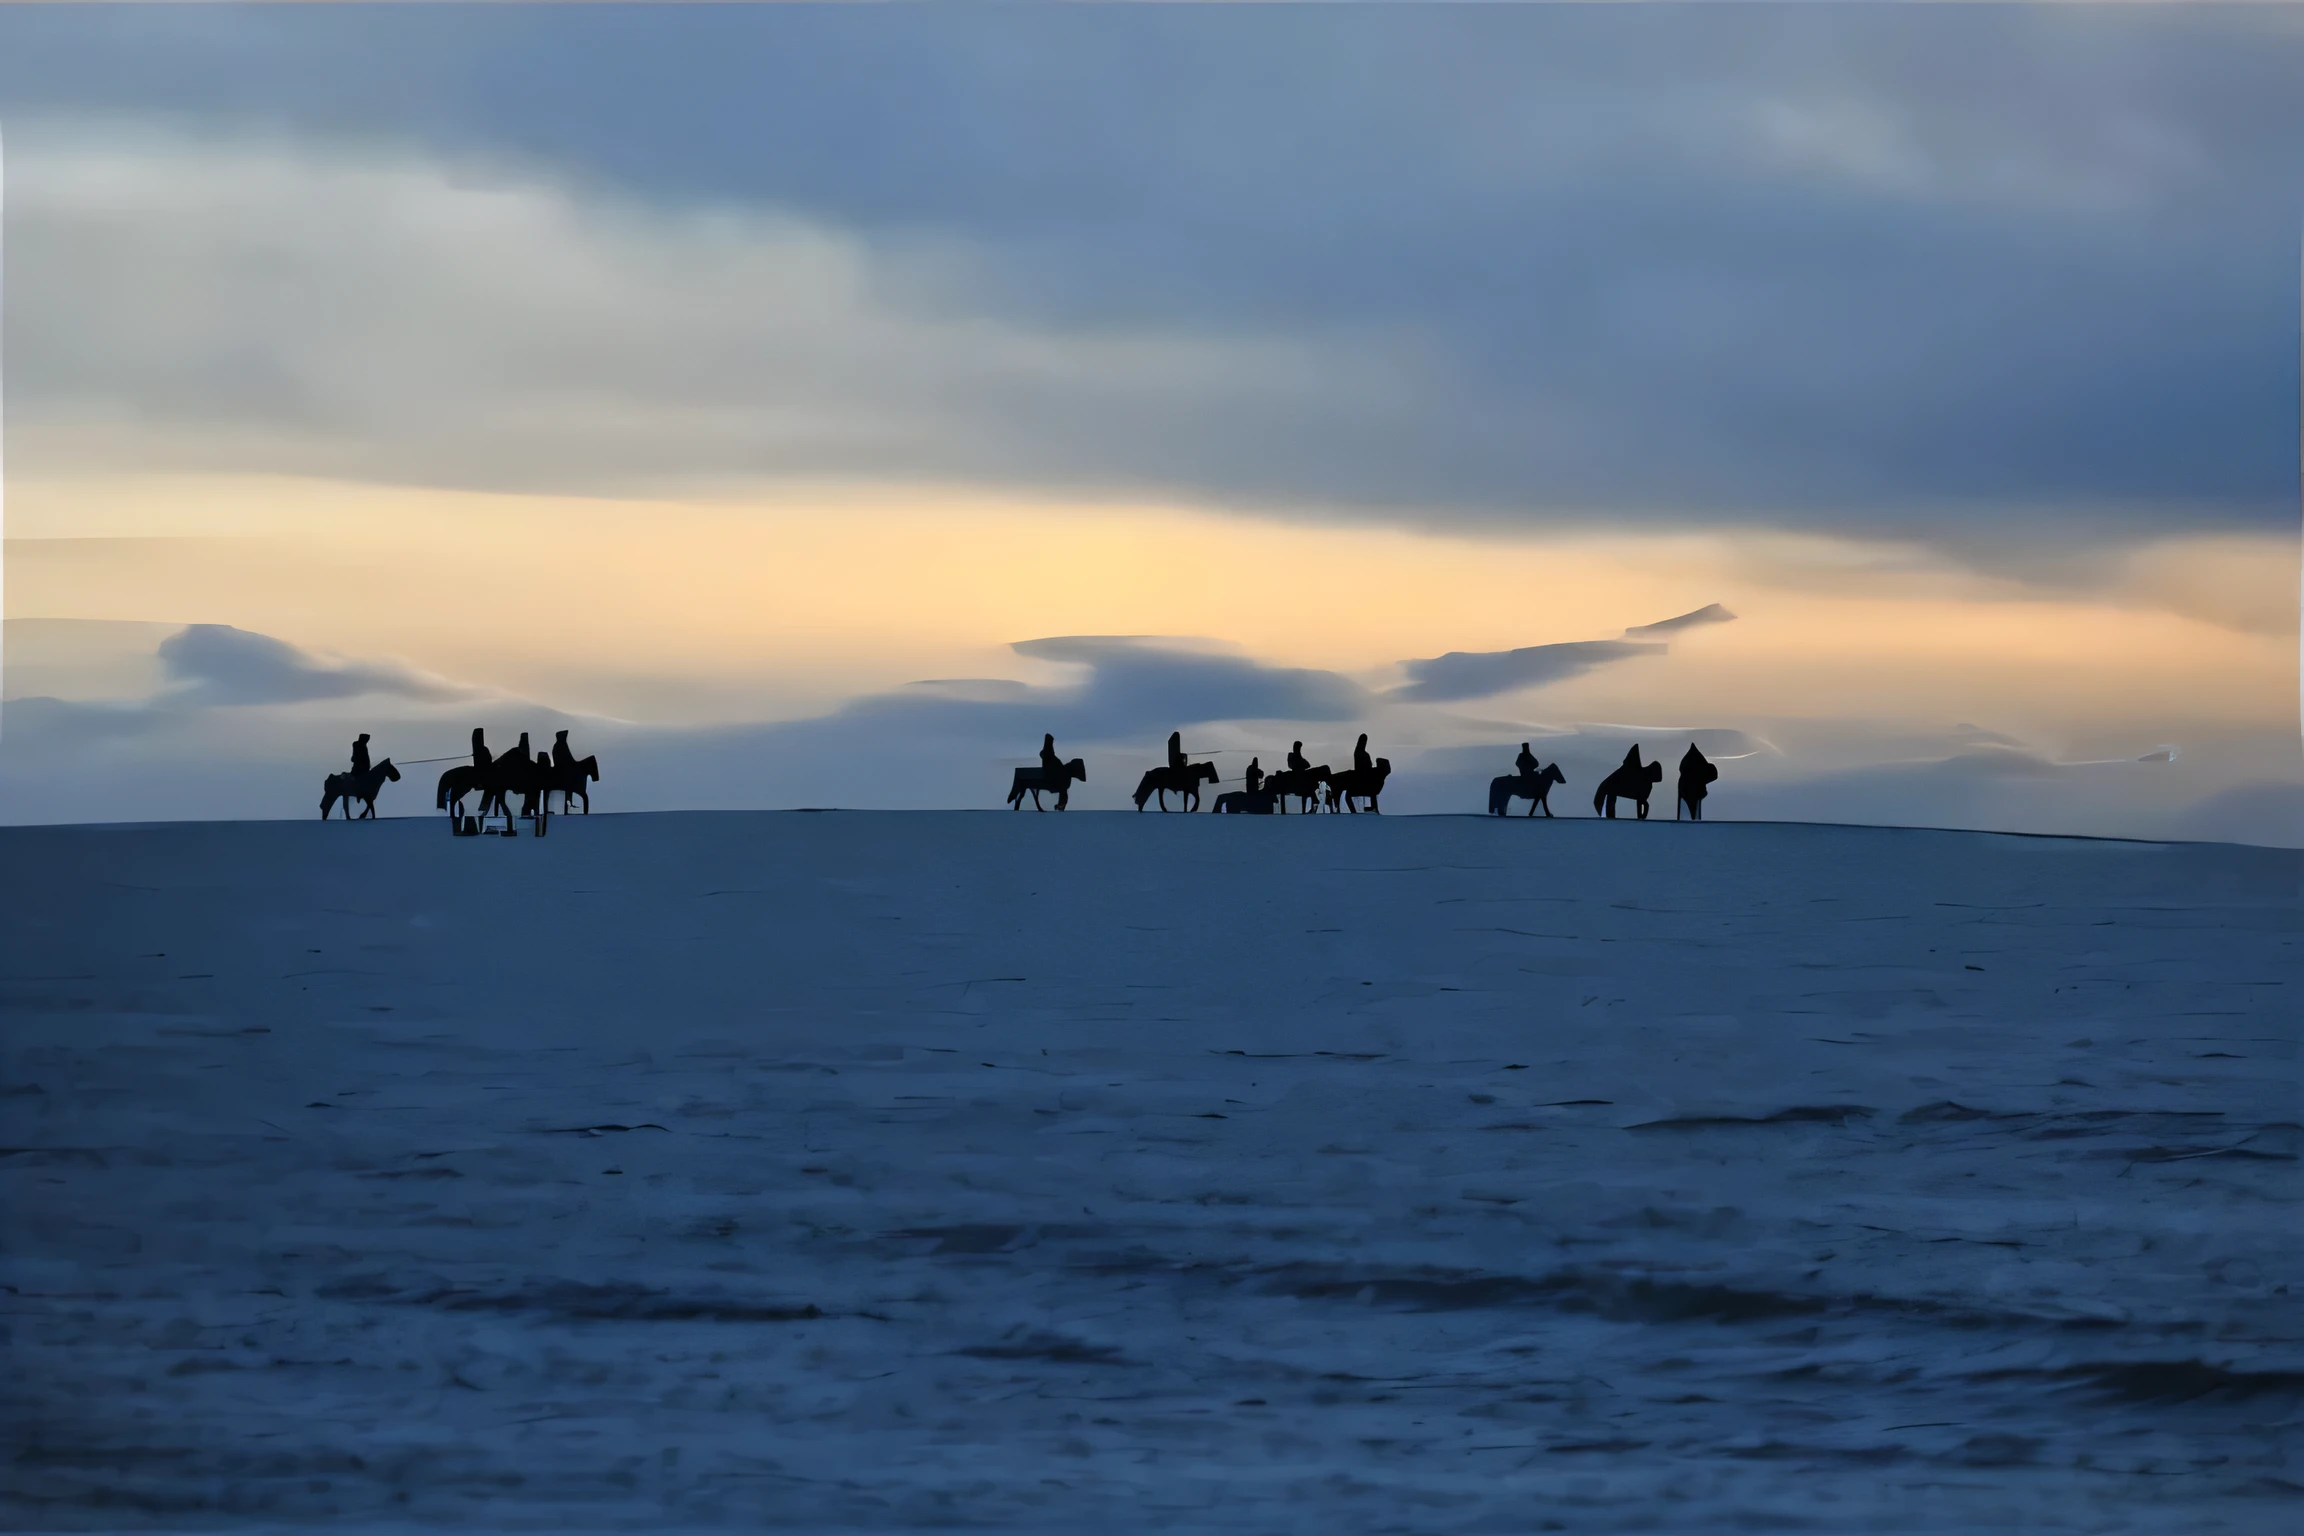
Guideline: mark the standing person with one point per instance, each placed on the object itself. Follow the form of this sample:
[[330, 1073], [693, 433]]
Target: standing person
[[1696, 776], [1297, 762], [1361, 762], [1176, 761], [1526, 762], [480, 754], [1051, 766], [360, 753]]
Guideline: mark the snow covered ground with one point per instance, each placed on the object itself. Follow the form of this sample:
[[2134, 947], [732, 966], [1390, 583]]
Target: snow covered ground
[[868, 1171]]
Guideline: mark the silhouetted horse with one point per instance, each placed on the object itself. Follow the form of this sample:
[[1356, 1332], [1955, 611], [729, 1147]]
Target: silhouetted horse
[[1303, 785], [517, 772], [1035, 779], [349, 787], [1535, 788], [568, 779], [1696, 772], [1248, 802], [1632, 780], [513, 772], [1164, 781], [1367, 783]]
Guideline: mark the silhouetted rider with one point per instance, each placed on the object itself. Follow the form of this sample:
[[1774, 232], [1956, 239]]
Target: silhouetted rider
[[1051, 766], [1297, 762], [1525, 762], [562, 757], [480, 754], [360, 754], [1253, 779], [1361, 761], [1176, 751]]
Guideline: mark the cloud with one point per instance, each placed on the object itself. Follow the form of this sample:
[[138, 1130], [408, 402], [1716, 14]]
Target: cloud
[[218, 664], [1888, 269], [1710, 613], [1138, 679], [372, 315], [1480, 674]]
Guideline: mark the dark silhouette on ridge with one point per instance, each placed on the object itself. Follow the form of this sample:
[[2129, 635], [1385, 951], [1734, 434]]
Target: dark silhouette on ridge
[[1178, 776], [1533, 783], [1366, 783], [1696, 774], [360, 753], [1053, 774], [360, 784], [1297, 762], [568, 774], [1361, 762], [495, 779], [1253, 798], [1633, 780], [1305, 784]]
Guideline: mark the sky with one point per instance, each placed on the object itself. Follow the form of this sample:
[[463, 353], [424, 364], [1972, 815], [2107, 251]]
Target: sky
[[814, 405]]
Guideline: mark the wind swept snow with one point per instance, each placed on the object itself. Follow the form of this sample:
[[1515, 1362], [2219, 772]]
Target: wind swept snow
[[865, 1171]]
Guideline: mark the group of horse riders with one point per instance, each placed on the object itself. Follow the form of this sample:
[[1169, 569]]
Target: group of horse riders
[[535, 777], [1631, 780], [1310, 786], [1263, 793]]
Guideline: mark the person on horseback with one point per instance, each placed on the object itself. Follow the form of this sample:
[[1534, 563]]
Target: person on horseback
[[563, 759], [1176, 762], [1361, 761], [360, 753], [1253, 779], [1051, 766], [1297, 761], [1526, 762], [480, 755]]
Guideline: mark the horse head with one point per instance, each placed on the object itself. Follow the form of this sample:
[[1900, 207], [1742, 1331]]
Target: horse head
[[385, 768], [1077, 769], [1655, 772], [1205, 771]]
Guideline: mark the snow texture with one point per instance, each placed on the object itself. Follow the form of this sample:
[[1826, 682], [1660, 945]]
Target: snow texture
[[872, 1171]]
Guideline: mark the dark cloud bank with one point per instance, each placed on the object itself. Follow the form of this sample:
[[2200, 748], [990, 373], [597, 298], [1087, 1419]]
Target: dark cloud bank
[[2024, 273]]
